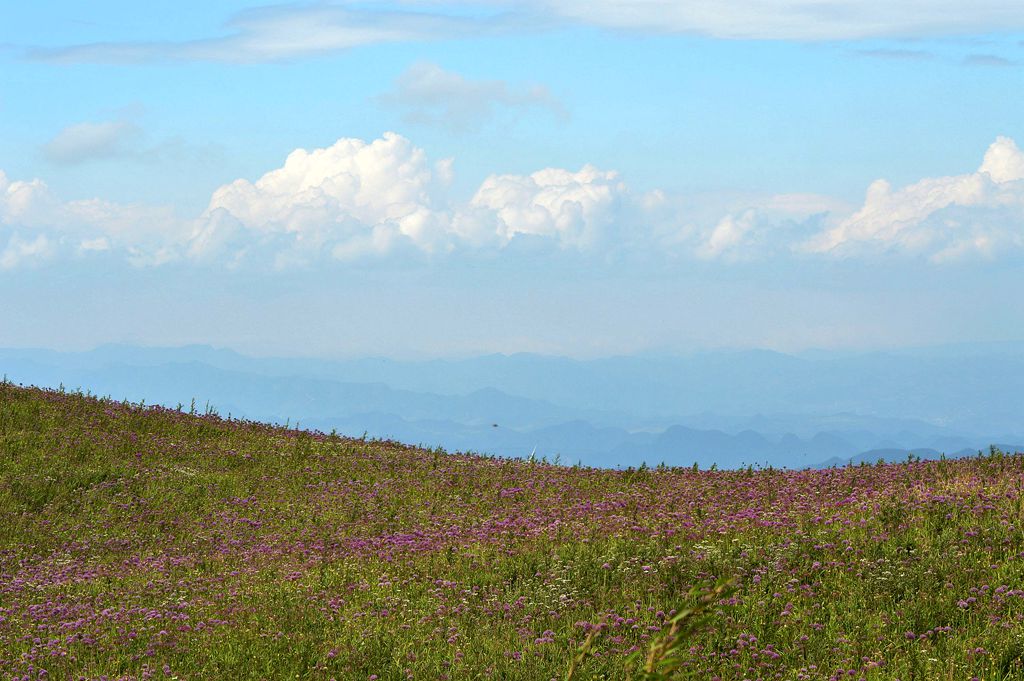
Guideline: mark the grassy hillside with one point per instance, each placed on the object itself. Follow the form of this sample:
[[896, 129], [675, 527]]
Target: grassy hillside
[[145, 543]]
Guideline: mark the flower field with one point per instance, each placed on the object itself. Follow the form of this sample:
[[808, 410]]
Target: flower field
[[140, 542]]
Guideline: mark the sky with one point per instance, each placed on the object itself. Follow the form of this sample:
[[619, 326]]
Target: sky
[[426, 178]]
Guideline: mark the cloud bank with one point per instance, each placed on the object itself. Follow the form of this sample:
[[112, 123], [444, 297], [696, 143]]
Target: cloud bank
[[384, 199], [36, 226]]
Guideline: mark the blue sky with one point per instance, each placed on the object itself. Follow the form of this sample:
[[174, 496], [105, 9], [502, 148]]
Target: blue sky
[[557, 176]]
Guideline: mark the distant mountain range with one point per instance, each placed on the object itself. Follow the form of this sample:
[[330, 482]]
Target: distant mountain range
[[724, 408]]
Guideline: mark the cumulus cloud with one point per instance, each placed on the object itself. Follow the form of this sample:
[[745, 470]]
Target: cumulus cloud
[[430, 95], [349, 199], [756, 227], [942, 218], [359, 199], [83, 142], [354, 199], [575, 209], [18, 250], [22, 201], [385, 198], [728, 234], [39, 224]]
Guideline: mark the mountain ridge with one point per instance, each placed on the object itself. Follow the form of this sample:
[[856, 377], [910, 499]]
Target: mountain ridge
[[375, 396]]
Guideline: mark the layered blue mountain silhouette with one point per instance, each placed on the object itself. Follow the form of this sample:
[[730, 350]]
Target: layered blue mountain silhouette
[[727, 408]]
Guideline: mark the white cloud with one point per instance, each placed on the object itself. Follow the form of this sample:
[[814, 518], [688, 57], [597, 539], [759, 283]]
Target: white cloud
[[358, 198], [941, 218], [22, 201], [351, 198], [1003, 161], [430, 95], [576, 209], [83, 142], [43, 225], [292, 31], [276, 33], [98, 244], [20, 250], [796, 19], [728, 234], [382, 198], [764, 227]]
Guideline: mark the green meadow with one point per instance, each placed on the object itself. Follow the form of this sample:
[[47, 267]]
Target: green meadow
[[150, 543]]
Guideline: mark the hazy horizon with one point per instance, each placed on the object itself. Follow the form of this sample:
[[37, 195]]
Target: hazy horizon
[[653, 352], [728, 408]]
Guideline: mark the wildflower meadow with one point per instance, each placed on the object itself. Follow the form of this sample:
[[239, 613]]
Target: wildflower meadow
[[143, 542]]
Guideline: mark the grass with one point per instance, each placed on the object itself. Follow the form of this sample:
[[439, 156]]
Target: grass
[[140, 542]]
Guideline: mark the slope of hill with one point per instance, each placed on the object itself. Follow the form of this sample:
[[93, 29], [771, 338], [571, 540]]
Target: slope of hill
[[146, 543]]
